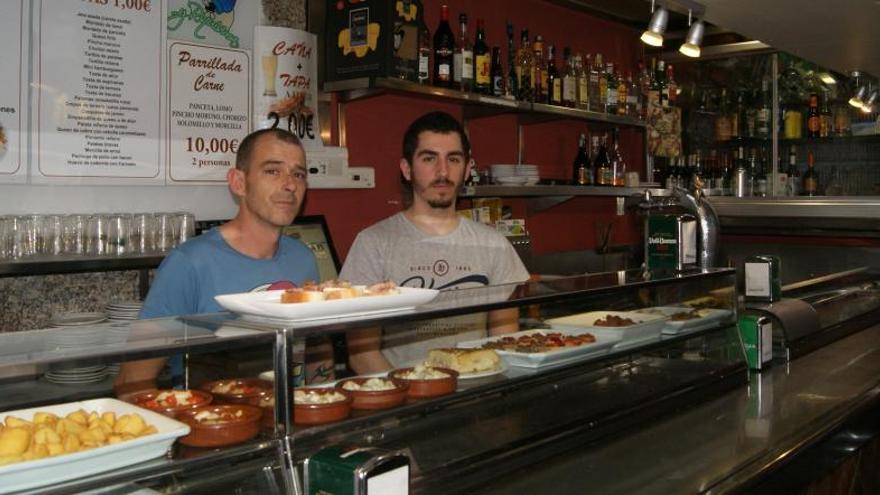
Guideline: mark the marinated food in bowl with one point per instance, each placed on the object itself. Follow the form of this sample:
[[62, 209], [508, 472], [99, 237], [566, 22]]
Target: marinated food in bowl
[[237, 390], [424, 372], [314, 406], [427, 381], [374, 393], [169, 402], [216, 426]]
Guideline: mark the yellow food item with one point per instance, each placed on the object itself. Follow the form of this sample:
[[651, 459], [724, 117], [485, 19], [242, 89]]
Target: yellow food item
[[50, 435]]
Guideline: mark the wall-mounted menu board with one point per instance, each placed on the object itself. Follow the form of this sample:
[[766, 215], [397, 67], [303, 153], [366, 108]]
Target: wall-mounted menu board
[[98, 89], [209, 110], [13, 88]]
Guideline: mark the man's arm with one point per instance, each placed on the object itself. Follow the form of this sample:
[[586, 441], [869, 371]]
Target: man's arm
[[503, 321], [137, 376], [364, 351], [319, 366]]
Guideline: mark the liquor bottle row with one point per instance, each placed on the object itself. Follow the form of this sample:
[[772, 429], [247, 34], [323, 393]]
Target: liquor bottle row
[[595, 164], [533, 71], [734, 174]]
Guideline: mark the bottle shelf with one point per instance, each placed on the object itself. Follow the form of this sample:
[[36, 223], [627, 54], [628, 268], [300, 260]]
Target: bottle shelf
[[361, 88], [538, 191]]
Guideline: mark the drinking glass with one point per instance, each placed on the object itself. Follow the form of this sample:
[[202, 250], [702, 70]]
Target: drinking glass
[[118, 232], [52, 234], [186, 227], [5, 237], [23, 236], [142, 233], [74, 234], [164, 231], [96, 239]]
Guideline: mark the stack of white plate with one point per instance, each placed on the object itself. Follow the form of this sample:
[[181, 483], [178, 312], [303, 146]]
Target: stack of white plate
[[123, 310], [81, 330], [515, 175], [530, 172]]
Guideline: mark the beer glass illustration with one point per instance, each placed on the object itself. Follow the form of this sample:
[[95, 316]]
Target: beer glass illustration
[[270, 65]]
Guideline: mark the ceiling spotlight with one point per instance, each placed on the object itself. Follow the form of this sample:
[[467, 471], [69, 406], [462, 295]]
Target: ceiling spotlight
[[827, 78], [858, 99], [868, 105], [654, 34], [691, 45]]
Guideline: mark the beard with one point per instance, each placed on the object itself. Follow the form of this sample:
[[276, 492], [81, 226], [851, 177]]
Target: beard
[[443, 203]]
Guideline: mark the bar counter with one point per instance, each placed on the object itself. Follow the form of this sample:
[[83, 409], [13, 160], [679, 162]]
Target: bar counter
[[733, 443]]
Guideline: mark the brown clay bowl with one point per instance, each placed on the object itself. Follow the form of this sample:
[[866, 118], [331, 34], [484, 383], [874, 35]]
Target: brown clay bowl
[[375, 399], [253, 389], [147, 400], [266, 403], [426, 388], [227, 432], [316, 414]]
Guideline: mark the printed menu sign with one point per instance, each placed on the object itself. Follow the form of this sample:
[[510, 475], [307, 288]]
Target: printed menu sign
[[209, 110], [12, 91], [98, 74], [286, 82]]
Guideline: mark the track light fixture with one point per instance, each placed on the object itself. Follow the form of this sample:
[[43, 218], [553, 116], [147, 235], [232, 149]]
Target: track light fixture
[[694, 39], [654, 34], [868, 105], [861, 91]]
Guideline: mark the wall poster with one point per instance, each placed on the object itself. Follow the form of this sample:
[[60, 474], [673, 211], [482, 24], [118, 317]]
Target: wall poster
[[13, 91], [98, 92], [209, 110]]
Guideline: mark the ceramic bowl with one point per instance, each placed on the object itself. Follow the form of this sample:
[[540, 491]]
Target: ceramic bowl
[[316, 414], [243, 425], [426, 388], [250, 390], [147, 400], [375, 399]]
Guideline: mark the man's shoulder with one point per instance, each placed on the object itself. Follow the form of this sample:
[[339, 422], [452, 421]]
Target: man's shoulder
[[484, 232], [384, 228], [292, 245]]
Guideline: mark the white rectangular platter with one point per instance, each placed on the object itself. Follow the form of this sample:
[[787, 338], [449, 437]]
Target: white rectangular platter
[[51, 470], [563, 355], [707, 318], [267, 304], [646, 328]]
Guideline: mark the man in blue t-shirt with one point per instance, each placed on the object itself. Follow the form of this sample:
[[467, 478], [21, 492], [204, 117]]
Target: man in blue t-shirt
[[248, 253]]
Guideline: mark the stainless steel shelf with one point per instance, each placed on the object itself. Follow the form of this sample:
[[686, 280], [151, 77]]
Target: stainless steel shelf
[[550, 191], [361, 88], [47, 265], [864, 207]]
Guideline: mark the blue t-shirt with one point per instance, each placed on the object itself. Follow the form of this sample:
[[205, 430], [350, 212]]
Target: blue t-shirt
[[206, 266]]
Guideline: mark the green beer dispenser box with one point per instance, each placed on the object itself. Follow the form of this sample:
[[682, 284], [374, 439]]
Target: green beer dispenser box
[[757, 339], [373, 38], [671, 241], [357, 471]]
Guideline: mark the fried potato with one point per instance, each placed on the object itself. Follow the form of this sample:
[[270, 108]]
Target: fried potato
[[45, 417], [79, 416], [109, 418], [132, 424], [46, 435], [14, 441], [14, 422]]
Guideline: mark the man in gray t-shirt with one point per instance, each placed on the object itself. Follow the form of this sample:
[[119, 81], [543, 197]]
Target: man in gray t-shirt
[[429, 246]]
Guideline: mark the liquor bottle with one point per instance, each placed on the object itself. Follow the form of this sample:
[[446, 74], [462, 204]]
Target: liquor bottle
[[424, 55], [810, 180], [539, 75], [644, 84], [718, 172], [736, 118], [722, 119], [752, 183], [581, 165], [618, 165], [597, 104], [671, 86], [793, 184], [554, 80], [762, 118], [593, 154], [511, 87], [611, 89], [602, 164], [813, 123], [524, 69], [662, 89], [583, 82], [464, 58], [497, 72], [569, 78], [740, 180], [603, 88], [826, 123], [444, 51], [653, 85], [482, 62], [633, 100], [622, 94], [761, 184]]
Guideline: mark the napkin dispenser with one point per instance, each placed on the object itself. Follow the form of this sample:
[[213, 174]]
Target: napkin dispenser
[[357, 471], [671, 241]]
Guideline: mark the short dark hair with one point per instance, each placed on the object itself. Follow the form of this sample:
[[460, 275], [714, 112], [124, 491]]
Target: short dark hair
[[440, 122], [246, 147]]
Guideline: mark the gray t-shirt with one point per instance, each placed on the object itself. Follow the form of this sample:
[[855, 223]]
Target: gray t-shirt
[[473, 255]]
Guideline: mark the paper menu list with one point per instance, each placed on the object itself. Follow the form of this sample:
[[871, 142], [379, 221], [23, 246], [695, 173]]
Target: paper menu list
[[98, 88], [12, 91]]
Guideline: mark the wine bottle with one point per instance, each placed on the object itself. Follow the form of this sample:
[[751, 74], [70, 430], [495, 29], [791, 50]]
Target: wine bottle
[[482, 62], [444, 51]]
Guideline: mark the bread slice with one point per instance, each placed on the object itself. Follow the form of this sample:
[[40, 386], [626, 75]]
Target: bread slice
[[301, 296], [465, 360]]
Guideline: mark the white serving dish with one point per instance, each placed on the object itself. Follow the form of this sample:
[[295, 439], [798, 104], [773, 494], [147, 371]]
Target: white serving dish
[[646, 329], [542, 359], [267, 304], [708, 318], [51, 470]]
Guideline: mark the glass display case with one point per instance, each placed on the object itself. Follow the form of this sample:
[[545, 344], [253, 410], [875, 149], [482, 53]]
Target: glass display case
[[674, 344]]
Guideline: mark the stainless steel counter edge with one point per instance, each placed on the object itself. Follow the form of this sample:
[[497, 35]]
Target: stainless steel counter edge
[[721, 445], [865, 207]]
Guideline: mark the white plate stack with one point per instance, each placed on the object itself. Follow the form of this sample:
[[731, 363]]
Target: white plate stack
[[120, 313], [80, 331], [515, 175]]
